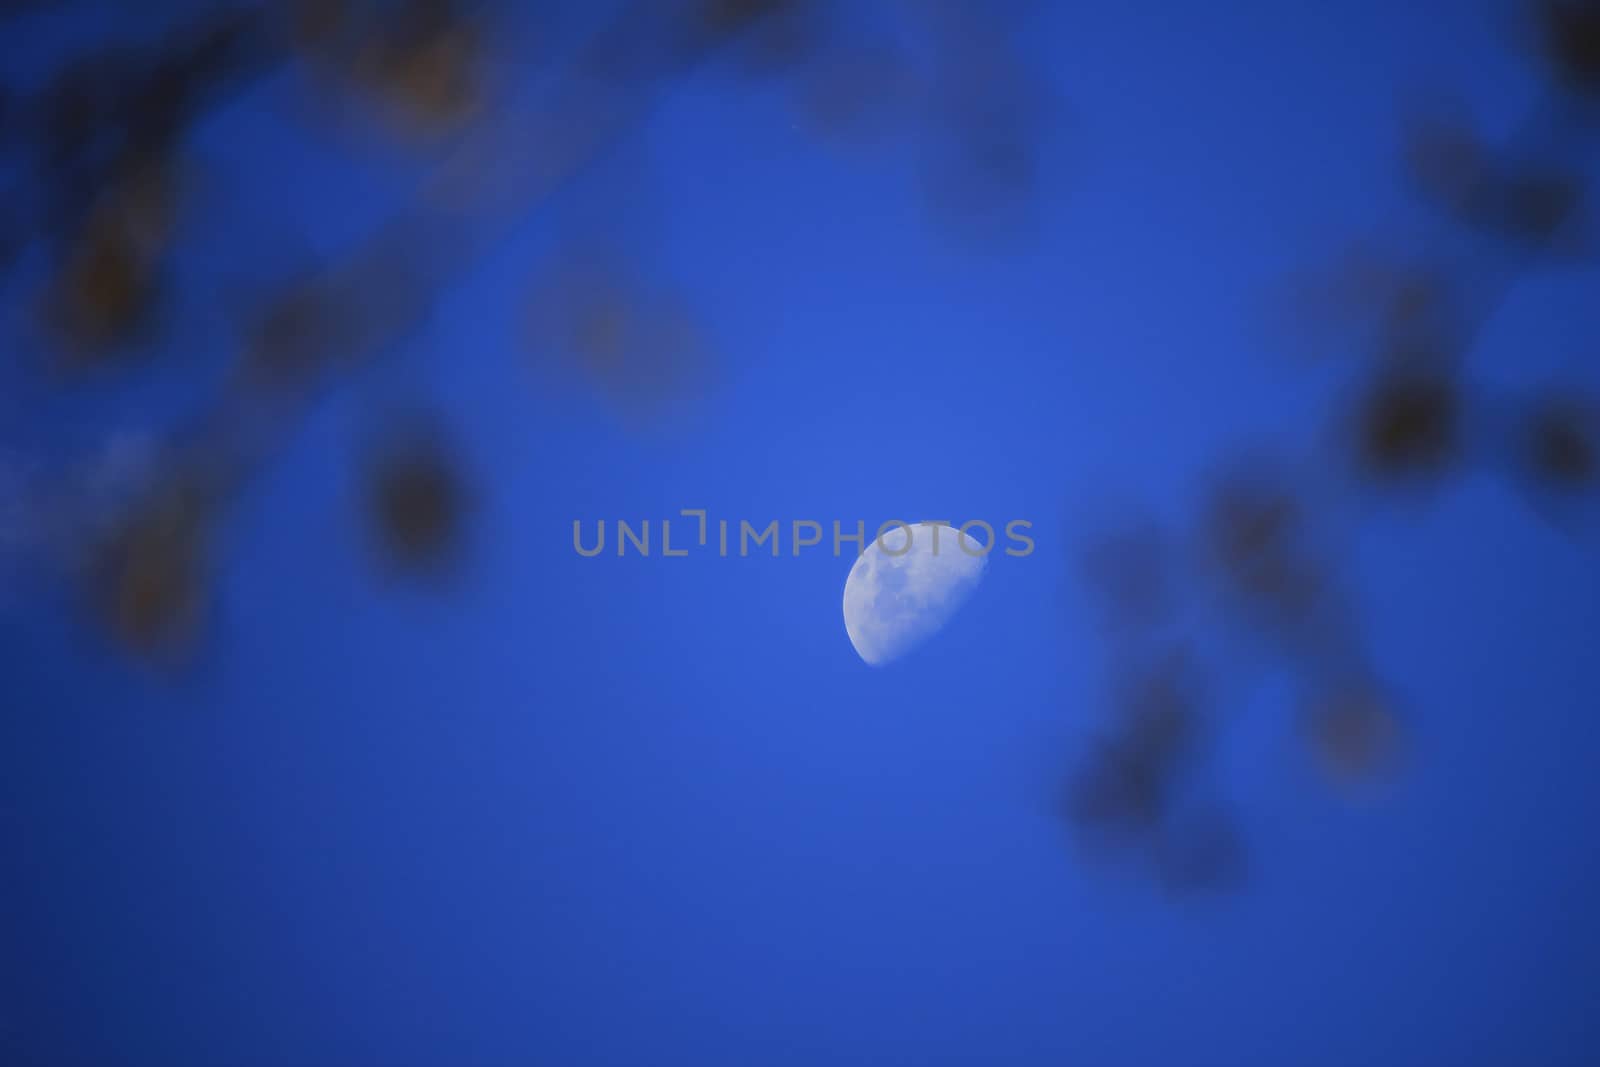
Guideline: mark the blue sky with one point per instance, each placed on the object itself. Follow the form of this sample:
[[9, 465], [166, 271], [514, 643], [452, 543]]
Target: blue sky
[[638, 811]]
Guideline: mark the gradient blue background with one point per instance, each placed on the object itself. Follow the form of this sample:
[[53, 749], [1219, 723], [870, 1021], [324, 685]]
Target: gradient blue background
[[605, 811]]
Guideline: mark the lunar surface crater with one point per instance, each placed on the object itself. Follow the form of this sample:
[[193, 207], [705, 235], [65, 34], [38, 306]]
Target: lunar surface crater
[[897, 597]]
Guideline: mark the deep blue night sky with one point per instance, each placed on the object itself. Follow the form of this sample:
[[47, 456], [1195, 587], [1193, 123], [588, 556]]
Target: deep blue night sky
[[647, 811]]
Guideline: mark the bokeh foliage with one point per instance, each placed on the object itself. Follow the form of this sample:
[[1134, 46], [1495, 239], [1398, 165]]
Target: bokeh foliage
[[100, 180]]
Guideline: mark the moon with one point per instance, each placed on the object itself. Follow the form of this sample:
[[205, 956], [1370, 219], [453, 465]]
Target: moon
[[897, 596]]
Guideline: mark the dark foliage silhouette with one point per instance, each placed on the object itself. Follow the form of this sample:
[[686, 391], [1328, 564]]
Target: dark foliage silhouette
[[102, 145]]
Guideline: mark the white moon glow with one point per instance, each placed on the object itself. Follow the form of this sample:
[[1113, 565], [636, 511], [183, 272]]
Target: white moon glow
[[895, 599]]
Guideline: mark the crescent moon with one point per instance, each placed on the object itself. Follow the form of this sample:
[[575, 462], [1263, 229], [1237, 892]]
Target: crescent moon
[[899, 595]]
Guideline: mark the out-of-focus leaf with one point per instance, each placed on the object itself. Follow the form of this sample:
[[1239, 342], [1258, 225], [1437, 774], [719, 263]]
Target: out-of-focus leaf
[[150, 576], [1446, 159], [988, 112], [1201, 852], [1561, 446], [782, 39], [342, 312], [1255, 533], [1369, 301], [1354, 733], [106, 287], [1537, 202], [418, 501], [856, 95], [1569, 32], [1541, 205], [298, 334], [1409, 424], [640, 345], [725, 18], [422, 62], [1252, 519], [430, 68], [1126, 788], [316, 25], [102, 294]]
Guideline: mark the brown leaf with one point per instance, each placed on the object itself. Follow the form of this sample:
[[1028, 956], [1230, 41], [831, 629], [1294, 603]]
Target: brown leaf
[[106, 286], [1531, 201], [1409, 424], [150, 573], [1259, 536], [1570, 36], [1372, 298], [641, 345], [1354, 733], [422, 60], [418, 499], [1252, 518], [1446, 159], [1127, 786], [856, 95], [1201, 853], [1561, 443], [1539, 204], [103, 293], [725, 18], [315, 25], [296, 337], [989, 111]]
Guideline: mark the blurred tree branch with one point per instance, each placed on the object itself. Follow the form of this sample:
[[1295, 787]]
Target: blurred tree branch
[[104, 139], [1415, 420], [99, 153]]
